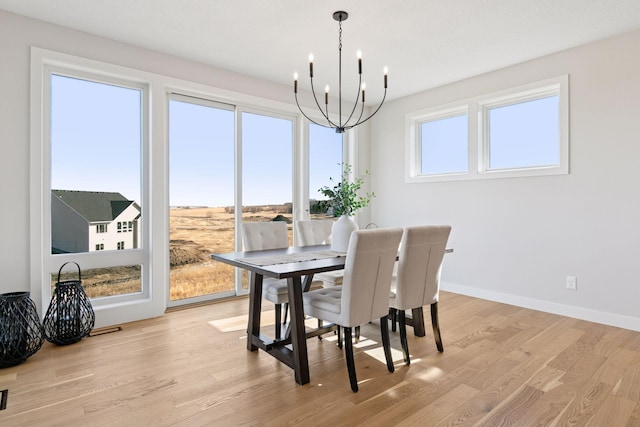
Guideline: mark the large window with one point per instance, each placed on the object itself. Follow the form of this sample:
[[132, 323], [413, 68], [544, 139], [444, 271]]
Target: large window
[[84, 116], [325, 159], [95, 191], [267, 167], [201, 197], [517, 132]]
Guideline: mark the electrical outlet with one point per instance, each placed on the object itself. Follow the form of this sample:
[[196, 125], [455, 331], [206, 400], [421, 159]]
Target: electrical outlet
[[572, 283]]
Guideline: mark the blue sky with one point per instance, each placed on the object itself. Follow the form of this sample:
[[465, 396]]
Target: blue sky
[[88, 152]]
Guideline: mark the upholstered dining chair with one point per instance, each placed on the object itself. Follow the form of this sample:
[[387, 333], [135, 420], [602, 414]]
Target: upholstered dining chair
[[364, 294], [269, 235], [318, 232], [417, 282]]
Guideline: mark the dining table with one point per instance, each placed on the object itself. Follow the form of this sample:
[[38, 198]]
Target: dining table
[[296, 264]]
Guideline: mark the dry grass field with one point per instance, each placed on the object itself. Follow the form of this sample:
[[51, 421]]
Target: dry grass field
[[195, 233]]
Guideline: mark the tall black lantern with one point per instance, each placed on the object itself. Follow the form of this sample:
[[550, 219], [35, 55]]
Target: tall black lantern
[[20, 329], [70, 316]]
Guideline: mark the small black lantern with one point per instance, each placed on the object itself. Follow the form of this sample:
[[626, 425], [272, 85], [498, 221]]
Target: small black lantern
[[70, 316], [20, 329]]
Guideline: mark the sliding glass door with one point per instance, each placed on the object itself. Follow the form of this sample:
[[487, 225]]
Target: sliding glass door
[[201, 197], [267, 170], [205, 140]]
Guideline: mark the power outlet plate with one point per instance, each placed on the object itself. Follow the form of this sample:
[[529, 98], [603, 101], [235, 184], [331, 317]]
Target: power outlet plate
[[572, 283]]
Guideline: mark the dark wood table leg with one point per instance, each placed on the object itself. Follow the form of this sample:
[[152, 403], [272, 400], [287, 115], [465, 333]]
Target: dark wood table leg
[[298, 335], [418, 322], [255, 307]]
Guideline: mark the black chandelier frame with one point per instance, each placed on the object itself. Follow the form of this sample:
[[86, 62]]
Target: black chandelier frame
[[340, 126]]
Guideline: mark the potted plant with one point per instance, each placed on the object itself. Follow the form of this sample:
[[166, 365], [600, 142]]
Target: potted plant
[[344, 202]]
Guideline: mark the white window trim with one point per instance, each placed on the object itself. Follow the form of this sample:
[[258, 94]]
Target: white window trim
[[108, 309], [414, 147], [476, 108]]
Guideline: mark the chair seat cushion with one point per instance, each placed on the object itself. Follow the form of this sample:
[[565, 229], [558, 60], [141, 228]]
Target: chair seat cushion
[[275, 291], [330, 278], [323, 303]]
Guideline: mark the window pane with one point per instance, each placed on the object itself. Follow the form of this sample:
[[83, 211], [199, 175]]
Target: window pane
[[91, 125], [524, 134], [444, 145], [325, 159], [105, 282], [267, 179], [201, 195], [266, 161]]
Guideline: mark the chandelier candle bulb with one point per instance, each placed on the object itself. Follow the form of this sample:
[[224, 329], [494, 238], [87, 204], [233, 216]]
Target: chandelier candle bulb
[[385, 70], [355, 118], [364, 86]]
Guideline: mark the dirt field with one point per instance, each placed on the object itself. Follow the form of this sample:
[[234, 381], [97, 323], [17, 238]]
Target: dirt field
[[195, 233]]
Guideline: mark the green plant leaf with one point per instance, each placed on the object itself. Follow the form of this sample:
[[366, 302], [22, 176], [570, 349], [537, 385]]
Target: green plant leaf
[[344, 197]]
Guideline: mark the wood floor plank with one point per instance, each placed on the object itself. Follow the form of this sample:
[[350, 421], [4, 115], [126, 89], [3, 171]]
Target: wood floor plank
[[502, 365]]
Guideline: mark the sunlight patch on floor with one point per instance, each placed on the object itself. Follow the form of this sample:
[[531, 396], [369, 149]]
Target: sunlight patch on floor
[[378, 354], [239, 323], [431, 374]]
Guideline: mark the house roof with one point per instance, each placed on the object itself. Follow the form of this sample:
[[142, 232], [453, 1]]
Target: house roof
[[95, 206]]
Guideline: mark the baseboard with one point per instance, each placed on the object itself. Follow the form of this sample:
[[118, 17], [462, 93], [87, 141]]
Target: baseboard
[[605, 318]]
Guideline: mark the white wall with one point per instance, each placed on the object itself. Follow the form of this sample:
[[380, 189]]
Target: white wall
[[516, 240]]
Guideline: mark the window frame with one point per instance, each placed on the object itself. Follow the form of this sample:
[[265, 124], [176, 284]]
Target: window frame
[[415, 131], [478, 142], [110, 309]]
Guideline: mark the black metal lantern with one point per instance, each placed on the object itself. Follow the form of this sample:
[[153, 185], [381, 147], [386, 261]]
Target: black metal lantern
[[70, 316], [20, 329]]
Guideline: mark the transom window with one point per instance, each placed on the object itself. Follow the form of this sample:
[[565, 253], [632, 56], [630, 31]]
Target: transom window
[[517, 132], [444, 144]]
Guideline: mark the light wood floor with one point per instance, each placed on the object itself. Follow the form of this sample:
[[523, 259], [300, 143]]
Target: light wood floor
[[501, 366]]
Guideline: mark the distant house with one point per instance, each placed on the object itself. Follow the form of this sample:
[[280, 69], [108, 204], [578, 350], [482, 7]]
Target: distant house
[[87, 221]]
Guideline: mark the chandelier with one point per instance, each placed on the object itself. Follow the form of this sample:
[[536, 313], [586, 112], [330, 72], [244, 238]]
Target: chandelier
[[351, 121]]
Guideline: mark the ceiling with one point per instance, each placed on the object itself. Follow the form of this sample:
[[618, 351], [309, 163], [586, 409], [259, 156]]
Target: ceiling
[[425, 43]]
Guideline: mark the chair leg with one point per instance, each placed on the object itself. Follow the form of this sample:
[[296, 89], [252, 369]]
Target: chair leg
[[436, 326], [386, 344], [357, 334], [392, 313], [351, 367], [339, 337], [278, 325], [286, 310], [402, 324]]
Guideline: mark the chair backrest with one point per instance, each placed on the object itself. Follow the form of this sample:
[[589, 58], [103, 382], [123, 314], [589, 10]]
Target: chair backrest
[[264, 235], [314, 231], [421, 253], [367, 275]]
